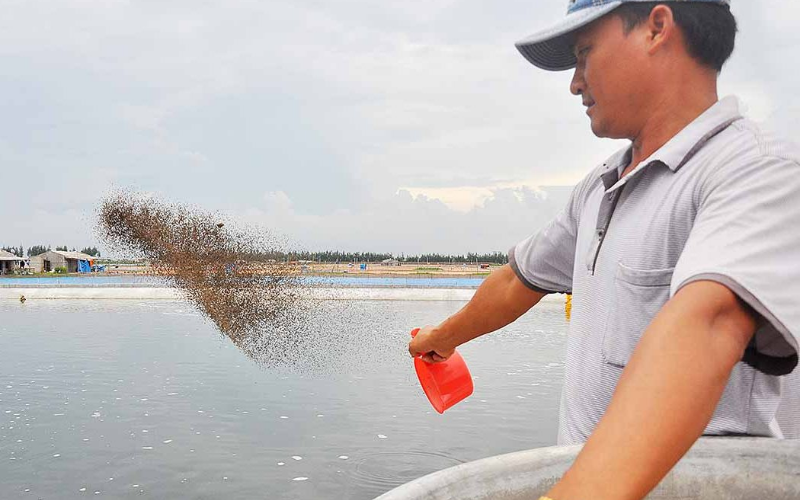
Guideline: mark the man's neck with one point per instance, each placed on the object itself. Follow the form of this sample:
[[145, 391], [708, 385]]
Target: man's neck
[[666, 119]]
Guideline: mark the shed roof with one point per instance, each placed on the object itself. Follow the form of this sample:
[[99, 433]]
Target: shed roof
[[74, 255], [9, 256]]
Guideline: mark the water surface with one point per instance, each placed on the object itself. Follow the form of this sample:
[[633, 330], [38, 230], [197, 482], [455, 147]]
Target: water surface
[[144, 399]]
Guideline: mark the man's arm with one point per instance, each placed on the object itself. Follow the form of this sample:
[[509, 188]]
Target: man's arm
[[666, 395], [501, 299]]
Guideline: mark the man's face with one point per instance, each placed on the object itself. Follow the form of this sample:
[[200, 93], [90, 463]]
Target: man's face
[[610, 77]]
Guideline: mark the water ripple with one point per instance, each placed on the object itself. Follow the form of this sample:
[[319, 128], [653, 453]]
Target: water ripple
[[383, 471]]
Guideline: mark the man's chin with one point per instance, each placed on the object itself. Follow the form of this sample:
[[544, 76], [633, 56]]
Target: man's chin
[[598, 129], [603, 131]]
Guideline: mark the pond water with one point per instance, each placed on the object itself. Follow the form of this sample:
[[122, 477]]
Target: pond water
[[138, 399]]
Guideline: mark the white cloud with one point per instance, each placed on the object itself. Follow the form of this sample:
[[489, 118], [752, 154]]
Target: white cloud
[[330, 106], [277, 201], [406, 223]]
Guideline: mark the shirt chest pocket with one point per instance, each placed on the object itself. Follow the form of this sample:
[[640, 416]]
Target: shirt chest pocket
[[640, 294]]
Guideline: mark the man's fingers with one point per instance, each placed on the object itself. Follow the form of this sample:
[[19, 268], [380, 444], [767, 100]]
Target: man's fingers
[[432, 357], [412, 351], [429, 357]]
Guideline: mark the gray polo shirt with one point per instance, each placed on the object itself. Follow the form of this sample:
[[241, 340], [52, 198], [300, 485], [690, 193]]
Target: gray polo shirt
[[720, 201]]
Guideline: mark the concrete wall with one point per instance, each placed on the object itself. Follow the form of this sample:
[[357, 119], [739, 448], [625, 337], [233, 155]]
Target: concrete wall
[[55, 260], [716, 468], [56, 291]]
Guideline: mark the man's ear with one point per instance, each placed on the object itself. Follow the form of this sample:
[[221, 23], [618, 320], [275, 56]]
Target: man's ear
[[661, 28]]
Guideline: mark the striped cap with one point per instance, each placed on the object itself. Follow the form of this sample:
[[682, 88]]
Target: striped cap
[[551, 48]]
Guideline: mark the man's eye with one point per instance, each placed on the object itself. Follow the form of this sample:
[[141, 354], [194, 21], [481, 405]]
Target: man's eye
[[580, 55]]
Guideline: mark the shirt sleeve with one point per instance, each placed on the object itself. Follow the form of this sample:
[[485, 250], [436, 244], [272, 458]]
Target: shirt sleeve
[[746, 236], [544, 261]]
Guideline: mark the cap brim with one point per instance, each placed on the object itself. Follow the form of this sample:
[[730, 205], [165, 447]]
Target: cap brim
[[551, 48]]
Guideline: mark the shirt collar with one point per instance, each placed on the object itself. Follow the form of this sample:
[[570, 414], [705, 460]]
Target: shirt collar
[[614, 167], [682, 147]]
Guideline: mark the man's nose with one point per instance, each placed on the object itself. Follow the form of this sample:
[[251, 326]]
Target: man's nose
[[577, 85]]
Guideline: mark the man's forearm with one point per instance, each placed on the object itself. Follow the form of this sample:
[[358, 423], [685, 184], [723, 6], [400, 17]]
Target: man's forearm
[[501, 299], [664, 400]]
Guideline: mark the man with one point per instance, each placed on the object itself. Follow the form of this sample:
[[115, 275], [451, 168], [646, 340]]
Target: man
[[682, 251]]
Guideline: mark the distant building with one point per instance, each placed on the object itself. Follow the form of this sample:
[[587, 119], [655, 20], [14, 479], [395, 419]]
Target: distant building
[[390, 262], [74, 262], [10, 262]]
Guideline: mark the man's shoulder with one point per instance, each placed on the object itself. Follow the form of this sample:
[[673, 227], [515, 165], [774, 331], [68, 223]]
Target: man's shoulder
[[750, 140], [748, 155]]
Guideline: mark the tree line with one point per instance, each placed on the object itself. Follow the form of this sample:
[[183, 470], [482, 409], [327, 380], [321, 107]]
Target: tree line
[[324, 256], [338, 257], [40, 249]]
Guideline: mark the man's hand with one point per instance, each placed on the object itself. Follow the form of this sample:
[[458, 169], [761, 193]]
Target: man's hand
[[665, 397], [431, 345]]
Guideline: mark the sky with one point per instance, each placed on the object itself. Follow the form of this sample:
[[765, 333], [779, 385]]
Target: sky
[[402, 127]]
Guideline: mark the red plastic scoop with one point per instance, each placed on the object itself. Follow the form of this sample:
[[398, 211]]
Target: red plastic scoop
[[444, 383]]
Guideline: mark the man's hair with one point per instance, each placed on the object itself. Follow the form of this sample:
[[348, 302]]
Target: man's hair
[[708, 28]]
